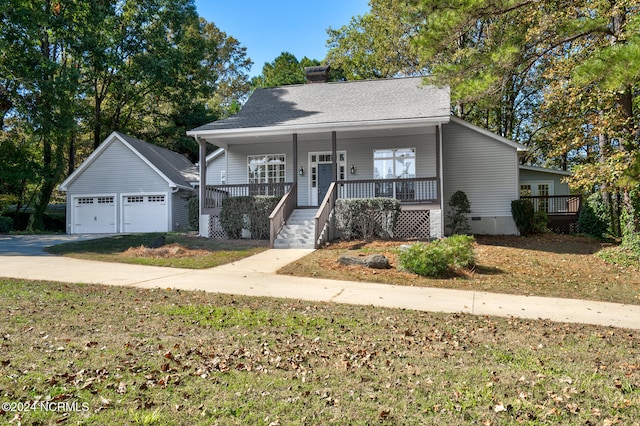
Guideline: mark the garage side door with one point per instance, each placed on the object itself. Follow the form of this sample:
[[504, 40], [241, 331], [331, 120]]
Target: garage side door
[[94, 214], [145, 213]]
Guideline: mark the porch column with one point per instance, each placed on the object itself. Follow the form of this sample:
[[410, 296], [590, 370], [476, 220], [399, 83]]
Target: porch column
[[334, 156], [440, 176], [202, 190], [295, 158]]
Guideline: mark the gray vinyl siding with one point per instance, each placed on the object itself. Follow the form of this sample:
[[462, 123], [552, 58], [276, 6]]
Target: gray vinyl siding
[[118, 169], [532, 177], [214, 168], [486, 170]]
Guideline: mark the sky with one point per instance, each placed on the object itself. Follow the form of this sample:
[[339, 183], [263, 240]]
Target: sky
[[269, 27]]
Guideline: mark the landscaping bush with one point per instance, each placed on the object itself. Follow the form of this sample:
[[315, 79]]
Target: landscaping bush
[[232, 216], [193, 208], [540, 220], [366, 218], [524, 216], [260, 208], [6, 224], [251, 213], [590, 222], [460, 208], [439, 257]]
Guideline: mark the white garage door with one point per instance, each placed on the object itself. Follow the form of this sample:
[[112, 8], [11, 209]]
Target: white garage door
[[94, 214], [145, 213]]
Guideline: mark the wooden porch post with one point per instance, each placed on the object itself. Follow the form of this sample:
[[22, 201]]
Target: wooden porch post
[[202, 164], [334, 156], [439, 175], [295, 158]]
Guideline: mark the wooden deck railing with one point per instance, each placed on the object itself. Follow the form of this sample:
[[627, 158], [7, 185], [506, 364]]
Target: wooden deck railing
[[323, 215], [214, 194], [411, 190], [556, 204], [281, 212]]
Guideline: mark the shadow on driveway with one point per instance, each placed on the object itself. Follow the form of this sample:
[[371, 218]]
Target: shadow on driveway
[[34, 245]]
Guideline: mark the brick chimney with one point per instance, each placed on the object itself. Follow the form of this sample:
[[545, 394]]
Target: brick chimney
[[318, 74]]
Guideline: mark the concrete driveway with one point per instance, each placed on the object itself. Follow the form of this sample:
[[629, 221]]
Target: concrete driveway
[[34, 245]]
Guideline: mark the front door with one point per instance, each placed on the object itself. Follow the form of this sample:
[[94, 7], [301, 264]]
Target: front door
[[325, 172]]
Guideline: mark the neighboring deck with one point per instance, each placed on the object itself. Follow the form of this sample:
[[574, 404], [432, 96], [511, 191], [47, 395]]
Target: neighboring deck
[[562, 211]]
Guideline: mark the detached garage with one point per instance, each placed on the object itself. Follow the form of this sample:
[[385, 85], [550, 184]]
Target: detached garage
[[128, 186]]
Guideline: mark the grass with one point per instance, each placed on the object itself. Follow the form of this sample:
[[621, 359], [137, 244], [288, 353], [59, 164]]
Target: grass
[[180, 251], [546, 265], [160, 357]]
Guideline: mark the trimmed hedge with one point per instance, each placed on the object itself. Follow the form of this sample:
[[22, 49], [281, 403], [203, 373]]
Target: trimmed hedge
[[460, 208], [193, 208], [251, 213], [524, 216], [439, 257], [366, 218]]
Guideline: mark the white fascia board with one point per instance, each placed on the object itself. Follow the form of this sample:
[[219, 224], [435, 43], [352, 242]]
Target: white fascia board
[[314, 128], [215, 154], [546, 170]]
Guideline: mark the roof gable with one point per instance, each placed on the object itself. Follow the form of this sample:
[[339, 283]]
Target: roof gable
[[327, 104], [174, 168], [519, 147]]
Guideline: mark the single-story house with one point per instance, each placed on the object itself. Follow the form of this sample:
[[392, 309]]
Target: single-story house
[[128, 185], [318, 142]]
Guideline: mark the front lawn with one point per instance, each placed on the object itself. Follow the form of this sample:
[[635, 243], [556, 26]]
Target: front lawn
[[179, 250], [546, 265], [103, 355]]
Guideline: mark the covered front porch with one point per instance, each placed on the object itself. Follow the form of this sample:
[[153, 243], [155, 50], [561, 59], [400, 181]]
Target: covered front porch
[[420, 215]]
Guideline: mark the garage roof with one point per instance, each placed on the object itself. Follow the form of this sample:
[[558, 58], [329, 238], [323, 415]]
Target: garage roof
[[175, 168]]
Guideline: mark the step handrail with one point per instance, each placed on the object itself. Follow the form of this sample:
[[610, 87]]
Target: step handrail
[[281, 213]]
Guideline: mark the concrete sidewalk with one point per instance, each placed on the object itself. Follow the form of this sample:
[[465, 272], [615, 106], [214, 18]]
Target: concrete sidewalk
[[255, 276]]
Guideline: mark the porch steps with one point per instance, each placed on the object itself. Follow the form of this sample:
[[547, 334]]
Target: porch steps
[[299, 231]]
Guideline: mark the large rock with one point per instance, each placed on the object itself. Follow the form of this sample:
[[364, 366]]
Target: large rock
[[375, 261]]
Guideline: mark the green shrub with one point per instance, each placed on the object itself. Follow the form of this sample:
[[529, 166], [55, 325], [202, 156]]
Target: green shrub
[[590, 223], [6, 224], [437, 258], [232, 216], [540, 220], [459, 209], [251, 213], [524, 216], [366, 218], [193, 208], [260, 208]]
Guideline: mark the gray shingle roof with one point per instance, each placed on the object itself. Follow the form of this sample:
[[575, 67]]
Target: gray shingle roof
[[176, 167], [332, 103]]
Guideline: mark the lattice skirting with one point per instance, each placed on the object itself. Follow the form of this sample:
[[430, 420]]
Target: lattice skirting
[[413, 224], [215, 228], [563, 224]]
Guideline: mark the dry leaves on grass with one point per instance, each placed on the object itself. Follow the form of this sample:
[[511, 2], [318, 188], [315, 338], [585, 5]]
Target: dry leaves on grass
[[174, 250]]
